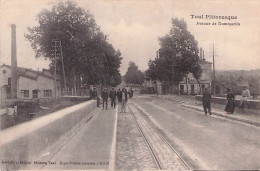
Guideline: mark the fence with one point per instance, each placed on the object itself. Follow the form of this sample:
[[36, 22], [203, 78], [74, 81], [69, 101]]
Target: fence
[[5, 97], [72, 92]]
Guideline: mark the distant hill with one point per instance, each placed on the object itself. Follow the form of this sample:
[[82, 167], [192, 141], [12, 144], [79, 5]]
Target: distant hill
[[237, 79]]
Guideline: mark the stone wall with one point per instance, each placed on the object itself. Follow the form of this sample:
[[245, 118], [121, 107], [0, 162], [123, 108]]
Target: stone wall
[[220, 102]]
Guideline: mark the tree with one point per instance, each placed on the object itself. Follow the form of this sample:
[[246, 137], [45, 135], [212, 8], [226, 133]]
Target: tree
[[178, 56], [88, 57], [133, 75]]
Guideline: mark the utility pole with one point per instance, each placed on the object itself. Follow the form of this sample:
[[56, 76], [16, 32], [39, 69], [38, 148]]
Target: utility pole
[[63, 70], [55, 72], [214, 78], [55, 69], [156, 86], [57, 44]]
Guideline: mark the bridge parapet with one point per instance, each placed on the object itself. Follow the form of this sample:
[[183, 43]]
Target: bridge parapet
[[220, 102], [28, 141]]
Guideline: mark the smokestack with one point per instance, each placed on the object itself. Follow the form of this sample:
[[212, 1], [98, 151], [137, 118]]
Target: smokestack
[[203, 55], [13, 63], [200, 53]]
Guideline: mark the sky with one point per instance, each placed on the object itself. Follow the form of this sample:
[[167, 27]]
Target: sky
[[134, 26]]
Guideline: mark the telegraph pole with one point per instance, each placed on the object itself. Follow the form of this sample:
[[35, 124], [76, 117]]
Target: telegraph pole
[[214, 85], [157, 55], [57, 44], [63, 70], [55, 71]]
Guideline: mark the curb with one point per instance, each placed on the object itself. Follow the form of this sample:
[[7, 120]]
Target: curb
[[165, 98], [224, 115]]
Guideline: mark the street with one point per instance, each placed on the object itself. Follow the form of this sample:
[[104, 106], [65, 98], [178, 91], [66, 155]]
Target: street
[[209, 141], [158, 134]]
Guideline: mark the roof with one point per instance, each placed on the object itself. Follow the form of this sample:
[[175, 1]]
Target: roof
[[31, 74]]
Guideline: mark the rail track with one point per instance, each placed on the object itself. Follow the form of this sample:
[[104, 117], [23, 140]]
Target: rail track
[[164, 155]]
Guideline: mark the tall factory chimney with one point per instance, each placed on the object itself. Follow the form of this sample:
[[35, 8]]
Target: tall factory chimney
[[13, 63], [200, 53]]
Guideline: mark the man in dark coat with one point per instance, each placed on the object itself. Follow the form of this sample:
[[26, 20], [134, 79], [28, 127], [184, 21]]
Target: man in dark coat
[[112, 95], [104, 97], [131, 93], [124, 100], [94, 93], [119, 97], [206, 101]]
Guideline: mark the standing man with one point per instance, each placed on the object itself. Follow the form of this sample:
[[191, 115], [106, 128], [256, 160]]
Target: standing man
[[206, 97], [131, 93], [124, 100], [119, 96], [104, 97], [94, 93], [94, 96], [112, 95], [245, 96]]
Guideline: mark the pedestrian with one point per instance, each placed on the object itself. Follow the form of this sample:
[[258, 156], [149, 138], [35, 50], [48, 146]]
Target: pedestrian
[[119, 97], [90, 93], [112, 95], [206, 98], [230, 107], [131, 93], [94, 93], [94, 96], [245, 96], [104, 97], [124, 100]]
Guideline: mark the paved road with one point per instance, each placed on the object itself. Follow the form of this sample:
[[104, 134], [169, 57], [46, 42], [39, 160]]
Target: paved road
[[139, 146], [206, 142]]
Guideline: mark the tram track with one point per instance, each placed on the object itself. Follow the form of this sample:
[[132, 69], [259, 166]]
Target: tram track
[[164, 155]]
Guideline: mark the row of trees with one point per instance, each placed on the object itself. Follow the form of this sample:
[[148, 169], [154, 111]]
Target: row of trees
[[177, 56], [87, 56]]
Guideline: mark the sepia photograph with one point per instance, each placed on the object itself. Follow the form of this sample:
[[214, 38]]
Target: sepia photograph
[[129, 85]]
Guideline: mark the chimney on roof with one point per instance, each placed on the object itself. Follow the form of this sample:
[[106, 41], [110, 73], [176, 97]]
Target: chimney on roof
[[203, 56], [13, 63], [200, 53]]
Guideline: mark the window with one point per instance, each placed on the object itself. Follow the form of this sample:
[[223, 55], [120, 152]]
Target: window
[[35, 93], [47, 93], [25, 93]]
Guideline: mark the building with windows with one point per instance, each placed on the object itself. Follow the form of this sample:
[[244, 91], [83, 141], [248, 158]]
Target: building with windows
[[31, 84], [21, 84], [190, 85]]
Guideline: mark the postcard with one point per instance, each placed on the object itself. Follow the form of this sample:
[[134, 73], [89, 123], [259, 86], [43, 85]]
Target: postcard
[[129, 85]]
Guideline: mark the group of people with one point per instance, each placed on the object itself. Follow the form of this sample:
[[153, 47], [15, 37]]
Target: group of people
[[119, 96], [230, 106]]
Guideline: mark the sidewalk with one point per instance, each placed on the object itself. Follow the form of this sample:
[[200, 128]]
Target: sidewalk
[[190, 102], [91, 147]]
